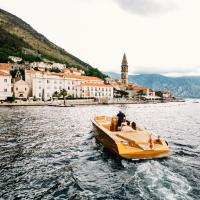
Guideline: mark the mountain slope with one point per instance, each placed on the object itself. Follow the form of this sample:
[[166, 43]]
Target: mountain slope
[[187, 87], [15, 35]]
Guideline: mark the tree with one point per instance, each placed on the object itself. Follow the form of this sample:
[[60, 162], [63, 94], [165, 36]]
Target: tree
[[55, 69], [159, 94], [63, 93], [43, 94], [120, 93], [56, 94], [140, 93]]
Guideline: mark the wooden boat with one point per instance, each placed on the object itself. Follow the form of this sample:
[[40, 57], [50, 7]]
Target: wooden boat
[[132, 144]]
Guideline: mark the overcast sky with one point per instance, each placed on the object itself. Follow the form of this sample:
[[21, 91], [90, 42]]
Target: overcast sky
[[158, 36]]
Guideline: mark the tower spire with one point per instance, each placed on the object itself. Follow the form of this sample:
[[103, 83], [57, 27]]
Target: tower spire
[[124, 70], [124, 60]]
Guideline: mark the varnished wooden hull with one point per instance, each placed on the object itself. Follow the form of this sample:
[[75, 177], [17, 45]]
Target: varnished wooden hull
[[115, 142]]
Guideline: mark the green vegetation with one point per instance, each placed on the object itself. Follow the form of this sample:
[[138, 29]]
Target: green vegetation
[[159, 94], [56, 70], [94, 72], [62, 94], [15, 34], [120, 93], [13, 73], [140, 93]]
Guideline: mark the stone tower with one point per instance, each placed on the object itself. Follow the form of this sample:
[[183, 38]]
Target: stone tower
[[124, 70]]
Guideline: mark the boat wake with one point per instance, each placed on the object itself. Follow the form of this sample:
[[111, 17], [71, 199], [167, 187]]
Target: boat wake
[[154, 180]]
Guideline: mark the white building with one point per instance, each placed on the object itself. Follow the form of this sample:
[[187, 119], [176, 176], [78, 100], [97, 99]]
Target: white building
[[44, 84], [21, 89], [15, 59], [41, 65], [60, 66], [96, 90], [5, 85]]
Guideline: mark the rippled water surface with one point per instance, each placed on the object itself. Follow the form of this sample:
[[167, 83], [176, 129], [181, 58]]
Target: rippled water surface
[[51, 153]]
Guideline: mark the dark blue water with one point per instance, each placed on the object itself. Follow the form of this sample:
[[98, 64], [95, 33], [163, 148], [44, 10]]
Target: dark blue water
[[50, 153]]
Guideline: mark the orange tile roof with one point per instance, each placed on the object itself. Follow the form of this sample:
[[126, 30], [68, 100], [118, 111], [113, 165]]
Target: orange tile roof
[[5, 66], [90, 78], [4, 74], [139, 88], [95, 84]]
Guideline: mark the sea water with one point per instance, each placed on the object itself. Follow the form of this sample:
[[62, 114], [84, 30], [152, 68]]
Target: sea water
[[51, 153]]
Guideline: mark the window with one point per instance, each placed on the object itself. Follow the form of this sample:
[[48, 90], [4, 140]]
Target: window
[[5, 90], [25, 89], [68, 88], [55, 82], [5, 80], [16, 88], [48, 81], [40, 94], [60, 87], [40, 87], [55, 88]]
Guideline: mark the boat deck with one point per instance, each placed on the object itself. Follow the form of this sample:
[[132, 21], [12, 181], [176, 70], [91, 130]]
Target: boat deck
[[138, 143]]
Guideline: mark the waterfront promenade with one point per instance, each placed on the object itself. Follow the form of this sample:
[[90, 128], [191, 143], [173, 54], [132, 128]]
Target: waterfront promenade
[[79, 102]]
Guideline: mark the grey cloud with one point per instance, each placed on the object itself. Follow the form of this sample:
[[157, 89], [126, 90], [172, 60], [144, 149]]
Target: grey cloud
[[147, 7]]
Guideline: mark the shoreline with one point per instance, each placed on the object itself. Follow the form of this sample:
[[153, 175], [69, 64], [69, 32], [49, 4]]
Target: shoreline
[[73, 103]]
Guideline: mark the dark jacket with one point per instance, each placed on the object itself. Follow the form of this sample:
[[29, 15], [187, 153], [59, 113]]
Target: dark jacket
[[120, 116]]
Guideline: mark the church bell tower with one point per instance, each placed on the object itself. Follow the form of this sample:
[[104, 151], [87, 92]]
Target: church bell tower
[[124, 70]]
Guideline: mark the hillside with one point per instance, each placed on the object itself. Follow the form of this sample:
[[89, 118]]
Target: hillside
[[186, 87], [17, 38]]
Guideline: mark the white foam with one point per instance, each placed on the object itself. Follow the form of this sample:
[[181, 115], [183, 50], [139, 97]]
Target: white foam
[[157, 179]]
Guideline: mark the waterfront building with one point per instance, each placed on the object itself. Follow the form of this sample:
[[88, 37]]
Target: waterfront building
[[124, 70], [20, 89], [95, 90], [136, 90], [45, 84], [166, 94], [5, 85]]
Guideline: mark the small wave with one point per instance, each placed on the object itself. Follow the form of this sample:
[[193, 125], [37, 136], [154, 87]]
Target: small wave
[[155, 180]]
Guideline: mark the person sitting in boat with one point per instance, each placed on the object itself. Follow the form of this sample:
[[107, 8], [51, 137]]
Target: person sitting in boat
[[121, 117]]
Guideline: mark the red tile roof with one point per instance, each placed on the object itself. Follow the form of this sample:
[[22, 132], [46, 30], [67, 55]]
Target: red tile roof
[[4, 74], [5, 66], [95, 84]]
